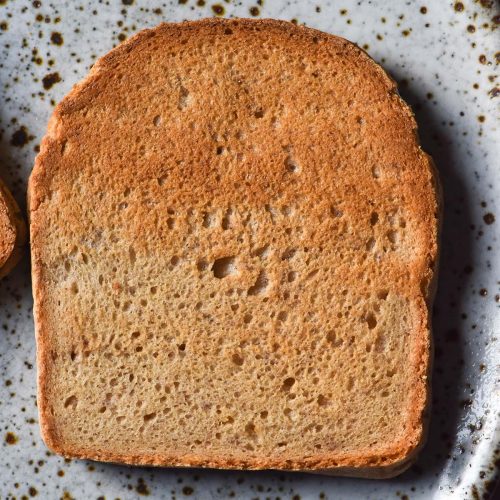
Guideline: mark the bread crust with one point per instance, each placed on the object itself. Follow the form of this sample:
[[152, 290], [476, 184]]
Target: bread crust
[[385, 462], [13, 231]]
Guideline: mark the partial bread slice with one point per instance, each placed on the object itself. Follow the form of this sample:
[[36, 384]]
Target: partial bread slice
[[12, 231], [234, 234]]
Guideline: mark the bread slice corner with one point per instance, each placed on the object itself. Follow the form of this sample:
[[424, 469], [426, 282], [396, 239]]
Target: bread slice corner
[[12, 231]]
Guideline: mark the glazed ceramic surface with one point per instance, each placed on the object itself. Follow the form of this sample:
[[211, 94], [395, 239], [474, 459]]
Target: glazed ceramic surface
[[445, 57]]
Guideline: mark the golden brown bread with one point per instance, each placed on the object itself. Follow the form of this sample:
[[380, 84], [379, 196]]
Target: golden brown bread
[[12, 231], [234, 236]]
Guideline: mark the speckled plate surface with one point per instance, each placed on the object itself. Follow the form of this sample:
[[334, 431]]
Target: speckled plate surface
[[445, 57]]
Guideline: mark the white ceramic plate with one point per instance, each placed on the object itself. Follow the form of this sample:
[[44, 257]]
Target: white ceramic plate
[[445, 56]]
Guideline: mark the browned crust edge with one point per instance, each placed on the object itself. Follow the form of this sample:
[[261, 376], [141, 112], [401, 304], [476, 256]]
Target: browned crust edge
[[17, 220], [384, 463]]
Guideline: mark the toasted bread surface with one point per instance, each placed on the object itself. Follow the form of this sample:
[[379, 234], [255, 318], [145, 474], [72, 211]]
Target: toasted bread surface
[[234, 238], [12, 231]]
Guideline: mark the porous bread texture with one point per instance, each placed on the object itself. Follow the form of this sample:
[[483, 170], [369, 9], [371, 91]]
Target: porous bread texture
[[234, 232], [12, 231], [7, 230]]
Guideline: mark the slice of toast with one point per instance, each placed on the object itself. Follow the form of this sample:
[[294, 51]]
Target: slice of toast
[[12, 231], [234, 238]]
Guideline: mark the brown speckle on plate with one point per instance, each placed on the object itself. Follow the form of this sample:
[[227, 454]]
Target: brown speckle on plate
[[218, 9], [11, 438], [489, 218], [56, 38], [20, 137], [50, 80]]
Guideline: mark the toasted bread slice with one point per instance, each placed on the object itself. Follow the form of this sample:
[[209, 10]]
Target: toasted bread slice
[[234, 235], [12, 231]]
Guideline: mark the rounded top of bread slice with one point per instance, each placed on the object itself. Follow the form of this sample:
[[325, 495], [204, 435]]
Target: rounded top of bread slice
[[245, 205]]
